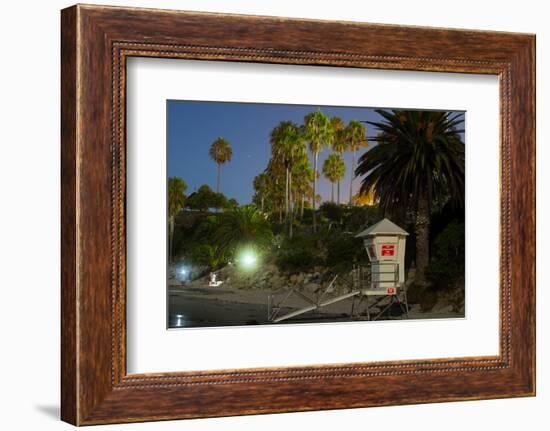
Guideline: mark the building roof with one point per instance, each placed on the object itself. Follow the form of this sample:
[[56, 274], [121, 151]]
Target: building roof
[[383, 227]]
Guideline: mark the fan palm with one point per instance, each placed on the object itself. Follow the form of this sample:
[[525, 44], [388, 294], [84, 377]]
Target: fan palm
[[288, 146], [355, 138], [319, 133], [243, 226], [176, 201], [418, 162], [211, 255], [302, 182], [339, 144], [276, 174], [221, 152], [261, 186], [334, 170]]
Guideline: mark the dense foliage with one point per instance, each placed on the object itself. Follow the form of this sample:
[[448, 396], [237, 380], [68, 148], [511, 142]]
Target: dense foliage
[[447, 264], [417, 165], [412, 173], [205, 198]]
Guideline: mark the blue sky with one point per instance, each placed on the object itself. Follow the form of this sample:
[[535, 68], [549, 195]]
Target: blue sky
[[193, 126]]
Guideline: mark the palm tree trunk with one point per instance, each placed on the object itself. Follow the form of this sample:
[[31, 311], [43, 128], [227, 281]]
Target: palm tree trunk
[[302, 206], [338, 195], [291, 217], [286, 194], [422, 231], [218, 180], [332, 192], [262, 202], [314, 205], [351, 179], [170, 238]]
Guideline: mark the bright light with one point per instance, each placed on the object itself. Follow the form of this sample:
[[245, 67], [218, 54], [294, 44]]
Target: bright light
[[183, 273], [248, 259]]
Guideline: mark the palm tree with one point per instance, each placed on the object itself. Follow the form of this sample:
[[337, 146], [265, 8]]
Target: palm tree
[[355, 137], [261, 186], [302, 180], [288, 146], [339, 144], [276, 174], [241, 227], [176, 201], [319, 133], [334, 170], [418, 162], [221, 152], [211, 255]]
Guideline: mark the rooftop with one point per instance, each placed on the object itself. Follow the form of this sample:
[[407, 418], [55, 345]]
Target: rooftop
[[383, 227]]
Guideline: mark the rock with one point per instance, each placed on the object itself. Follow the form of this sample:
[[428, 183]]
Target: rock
[[296, 278], [414, 308], [445, 309]]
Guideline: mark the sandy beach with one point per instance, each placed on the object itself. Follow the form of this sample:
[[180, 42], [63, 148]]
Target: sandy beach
[[204, 306]]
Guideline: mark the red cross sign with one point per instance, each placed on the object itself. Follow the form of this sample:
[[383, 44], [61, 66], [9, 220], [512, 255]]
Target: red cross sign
[[388, 250]]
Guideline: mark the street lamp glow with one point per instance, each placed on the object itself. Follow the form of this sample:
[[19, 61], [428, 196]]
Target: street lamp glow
[[183, 273], [248, 259]]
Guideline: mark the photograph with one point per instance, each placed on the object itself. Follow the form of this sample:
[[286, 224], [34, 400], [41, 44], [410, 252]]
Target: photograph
[[287, 214]]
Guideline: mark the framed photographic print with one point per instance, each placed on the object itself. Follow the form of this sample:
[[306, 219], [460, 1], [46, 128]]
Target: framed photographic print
[[322, 214]]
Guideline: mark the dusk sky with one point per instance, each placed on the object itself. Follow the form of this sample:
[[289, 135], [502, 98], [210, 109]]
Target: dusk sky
[[193, 126]]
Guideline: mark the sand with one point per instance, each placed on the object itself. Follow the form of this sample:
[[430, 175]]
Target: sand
[[201, 306]]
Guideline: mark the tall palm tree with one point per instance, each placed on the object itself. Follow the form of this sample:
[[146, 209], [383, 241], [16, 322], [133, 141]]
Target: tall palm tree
[[334, 170], [302, 181], [221, 152], [339, 144], [319, 133], [276, 174], [418, 162], [355, 136], [176, 201], [261, 186], [288, 146]]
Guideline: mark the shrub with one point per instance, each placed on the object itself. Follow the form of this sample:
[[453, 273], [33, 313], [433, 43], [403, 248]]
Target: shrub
[[300, 259], [343, 251], [358, 218], [299, 253], [208, 255], [307, 218], [447, 263], [332, 211]]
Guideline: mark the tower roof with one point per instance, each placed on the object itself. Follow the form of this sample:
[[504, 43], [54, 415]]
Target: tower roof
[[383, 227]]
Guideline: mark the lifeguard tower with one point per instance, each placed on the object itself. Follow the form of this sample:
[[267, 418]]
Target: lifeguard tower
[[381, 286], [385, 244]]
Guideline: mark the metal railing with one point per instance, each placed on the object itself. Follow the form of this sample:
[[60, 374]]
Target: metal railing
[[359, 282], [274, 307]]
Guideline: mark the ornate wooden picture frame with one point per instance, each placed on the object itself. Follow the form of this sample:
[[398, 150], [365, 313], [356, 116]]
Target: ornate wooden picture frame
[[96, 42]]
